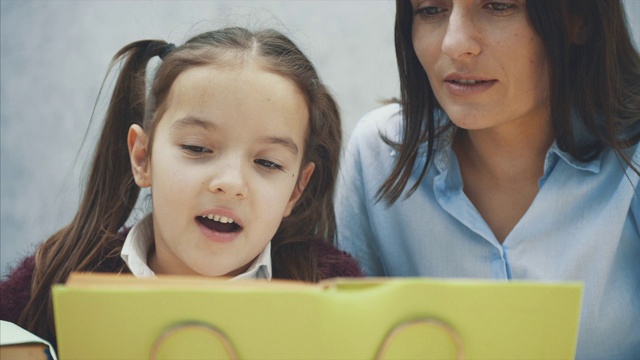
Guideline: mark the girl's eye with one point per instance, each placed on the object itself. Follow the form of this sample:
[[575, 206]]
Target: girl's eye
[[268, 165], [195, 149]]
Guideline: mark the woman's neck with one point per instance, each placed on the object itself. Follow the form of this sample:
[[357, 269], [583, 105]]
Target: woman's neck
[[504, 155], [500, 171]]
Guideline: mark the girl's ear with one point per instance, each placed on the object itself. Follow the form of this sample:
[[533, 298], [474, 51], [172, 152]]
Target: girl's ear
[[305, 175], [137, 140]]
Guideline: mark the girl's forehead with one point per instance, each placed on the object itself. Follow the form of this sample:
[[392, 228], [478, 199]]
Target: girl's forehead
[[246, 97], [219, 81]]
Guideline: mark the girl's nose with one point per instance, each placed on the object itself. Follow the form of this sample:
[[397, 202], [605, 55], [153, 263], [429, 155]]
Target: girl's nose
[[230, 181], [462, 38]]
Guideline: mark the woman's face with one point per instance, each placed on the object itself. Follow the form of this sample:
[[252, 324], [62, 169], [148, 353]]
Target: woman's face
[[485, 63]]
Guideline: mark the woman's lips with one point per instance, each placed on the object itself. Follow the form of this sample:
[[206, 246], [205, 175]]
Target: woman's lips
[[467, 87]]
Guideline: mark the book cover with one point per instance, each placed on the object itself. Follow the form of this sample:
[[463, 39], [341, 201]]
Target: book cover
[[118, 316]]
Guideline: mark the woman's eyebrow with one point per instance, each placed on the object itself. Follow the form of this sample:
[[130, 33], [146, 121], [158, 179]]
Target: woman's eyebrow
[[191, 121], [286, 142]]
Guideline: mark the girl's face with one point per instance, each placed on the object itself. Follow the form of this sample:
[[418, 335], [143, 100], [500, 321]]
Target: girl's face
[[225, 169], [485, 63]]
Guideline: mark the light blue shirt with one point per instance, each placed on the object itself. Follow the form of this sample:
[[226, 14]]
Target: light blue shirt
[[582, 226]]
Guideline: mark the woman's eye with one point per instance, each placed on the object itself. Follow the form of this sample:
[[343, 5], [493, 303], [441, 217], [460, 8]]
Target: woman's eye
[[500, 8], [195, 149], [429, 11], [268, 165]]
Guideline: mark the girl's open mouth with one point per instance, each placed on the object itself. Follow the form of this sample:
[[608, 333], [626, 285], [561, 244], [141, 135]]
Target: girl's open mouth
[[221, 224]]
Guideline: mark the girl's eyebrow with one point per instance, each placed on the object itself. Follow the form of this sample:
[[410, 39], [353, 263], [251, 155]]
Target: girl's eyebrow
[[191, 121], [286, 142]]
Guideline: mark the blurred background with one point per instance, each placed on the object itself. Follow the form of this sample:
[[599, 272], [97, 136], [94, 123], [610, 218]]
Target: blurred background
[[54, 57]]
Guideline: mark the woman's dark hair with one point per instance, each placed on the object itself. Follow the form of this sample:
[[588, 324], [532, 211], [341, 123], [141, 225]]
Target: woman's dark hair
[[594, 72], [92, 238]]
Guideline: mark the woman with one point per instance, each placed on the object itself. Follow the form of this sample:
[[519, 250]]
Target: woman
[[512, 155]]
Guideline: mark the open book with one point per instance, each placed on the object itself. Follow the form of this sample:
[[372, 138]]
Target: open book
[[119, 316]]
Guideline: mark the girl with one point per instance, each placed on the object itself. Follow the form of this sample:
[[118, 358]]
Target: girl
[[513, 155], [239, 142]]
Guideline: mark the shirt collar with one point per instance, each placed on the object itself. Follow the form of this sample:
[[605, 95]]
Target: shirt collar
[[554, 153], [583, 138], [136, 247], [443, 153], [140, 239], [443, 156]]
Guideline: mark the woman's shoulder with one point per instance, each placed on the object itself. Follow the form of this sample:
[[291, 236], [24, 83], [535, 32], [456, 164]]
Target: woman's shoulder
[[385, 120], [333, 262], [15, 291], [383, 113], [370, 139]]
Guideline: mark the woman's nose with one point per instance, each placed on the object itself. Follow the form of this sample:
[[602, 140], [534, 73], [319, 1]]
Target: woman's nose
[[230, 180], [462, 38]]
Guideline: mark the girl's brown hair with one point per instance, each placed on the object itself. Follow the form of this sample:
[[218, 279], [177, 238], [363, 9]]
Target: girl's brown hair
[[92, 238], [594, 73]]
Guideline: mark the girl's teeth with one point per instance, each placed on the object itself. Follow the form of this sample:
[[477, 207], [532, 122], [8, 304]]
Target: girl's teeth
[[222, 219], [468, 82]]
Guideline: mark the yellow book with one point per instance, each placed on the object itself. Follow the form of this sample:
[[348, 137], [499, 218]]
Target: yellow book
[[121, 317]]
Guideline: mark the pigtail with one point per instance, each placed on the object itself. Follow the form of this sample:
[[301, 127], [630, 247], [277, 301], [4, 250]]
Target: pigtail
[[108, 199]]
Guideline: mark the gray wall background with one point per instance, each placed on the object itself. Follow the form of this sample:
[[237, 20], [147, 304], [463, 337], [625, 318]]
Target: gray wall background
[[54, 56]]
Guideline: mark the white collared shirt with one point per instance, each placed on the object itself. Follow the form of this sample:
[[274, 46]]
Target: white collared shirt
[[140, 239]]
